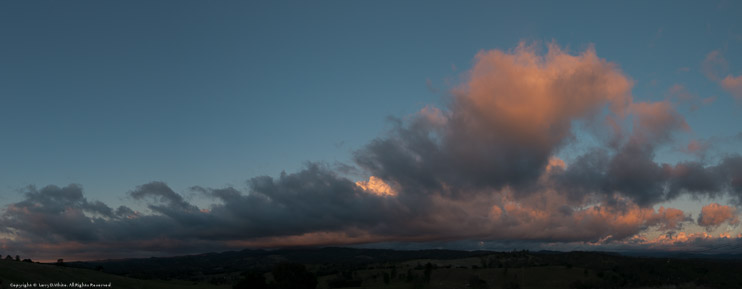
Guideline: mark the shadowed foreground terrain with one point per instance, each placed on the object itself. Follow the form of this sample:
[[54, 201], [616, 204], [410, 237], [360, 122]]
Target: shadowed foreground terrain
[[372, 268], [19, 273]]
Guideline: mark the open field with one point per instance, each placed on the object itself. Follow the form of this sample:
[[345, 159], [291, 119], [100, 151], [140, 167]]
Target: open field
[[536, 277], [331, 268], [15, 272]]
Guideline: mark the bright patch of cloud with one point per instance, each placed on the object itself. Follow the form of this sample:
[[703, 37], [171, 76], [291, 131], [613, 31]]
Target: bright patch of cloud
[[376, 186]]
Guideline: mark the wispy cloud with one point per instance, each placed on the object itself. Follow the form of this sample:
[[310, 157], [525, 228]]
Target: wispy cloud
[[733, 85], [715, 67]]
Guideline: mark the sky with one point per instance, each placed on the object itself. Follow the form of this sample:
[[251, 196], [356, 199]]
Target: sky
[[145, 128]]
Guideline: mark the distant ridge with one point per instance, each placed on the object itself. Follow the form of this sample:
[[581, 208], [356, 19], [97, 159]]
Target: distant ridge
[[261, 259]]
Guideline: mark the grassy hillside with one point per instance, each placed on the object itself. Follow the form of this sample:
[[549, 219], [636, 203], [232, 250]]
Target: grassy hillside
[[524, 270], [25, 272], [554, 277], [336, 268]]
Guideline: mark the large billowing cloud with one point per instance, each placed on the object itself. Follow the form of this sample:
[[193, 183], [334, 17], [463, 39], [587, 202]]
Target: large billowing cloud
[[482, 168], [503, 125]]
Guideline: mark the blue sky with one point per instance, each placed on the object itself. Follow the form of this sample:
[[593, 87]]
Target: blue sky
[[114, 95]]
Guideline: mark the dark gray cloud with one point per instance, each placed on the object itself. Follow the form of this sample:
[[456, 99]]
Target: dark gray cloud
[[314, 199], [55, 213], [161, 193], [305, 208], [636, 175]]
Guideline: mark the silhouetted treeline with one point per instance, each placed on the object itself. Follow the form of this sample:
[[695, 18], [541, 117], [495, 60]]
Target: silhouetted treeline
[[285, 276], [332, 260], [340, 266], [17, 258]]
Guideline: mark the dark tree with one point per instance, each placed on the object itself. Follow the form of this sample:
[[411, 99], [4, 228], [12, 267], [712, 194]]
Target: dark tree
[[17, 258], [512, 285], [293, 276], [251, 280], [60, 262], [476, 283], [341, 282], [428, 271], [8, 257]]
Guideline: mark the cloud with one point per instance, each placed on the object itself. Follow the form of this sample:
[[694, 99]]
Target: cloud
[[683, 69], [733, 85], [430, 86], [504, 123], [632, 173], [713, 215], [668, 219], [655, 122], [376, 186], [312, 200], [311, 207], [55, 213], [551, 216], [714, 66], [697, 147], [681, 95], [626, 166], [688, 242], [161, 193], [484, 167]]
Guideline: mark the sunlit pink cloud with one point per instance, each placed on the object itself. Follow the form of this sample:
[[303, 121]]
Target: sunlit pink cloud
[[733, 85], [532, 98], [714, 214], [689, 242], [655, 121], [715, 67]]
